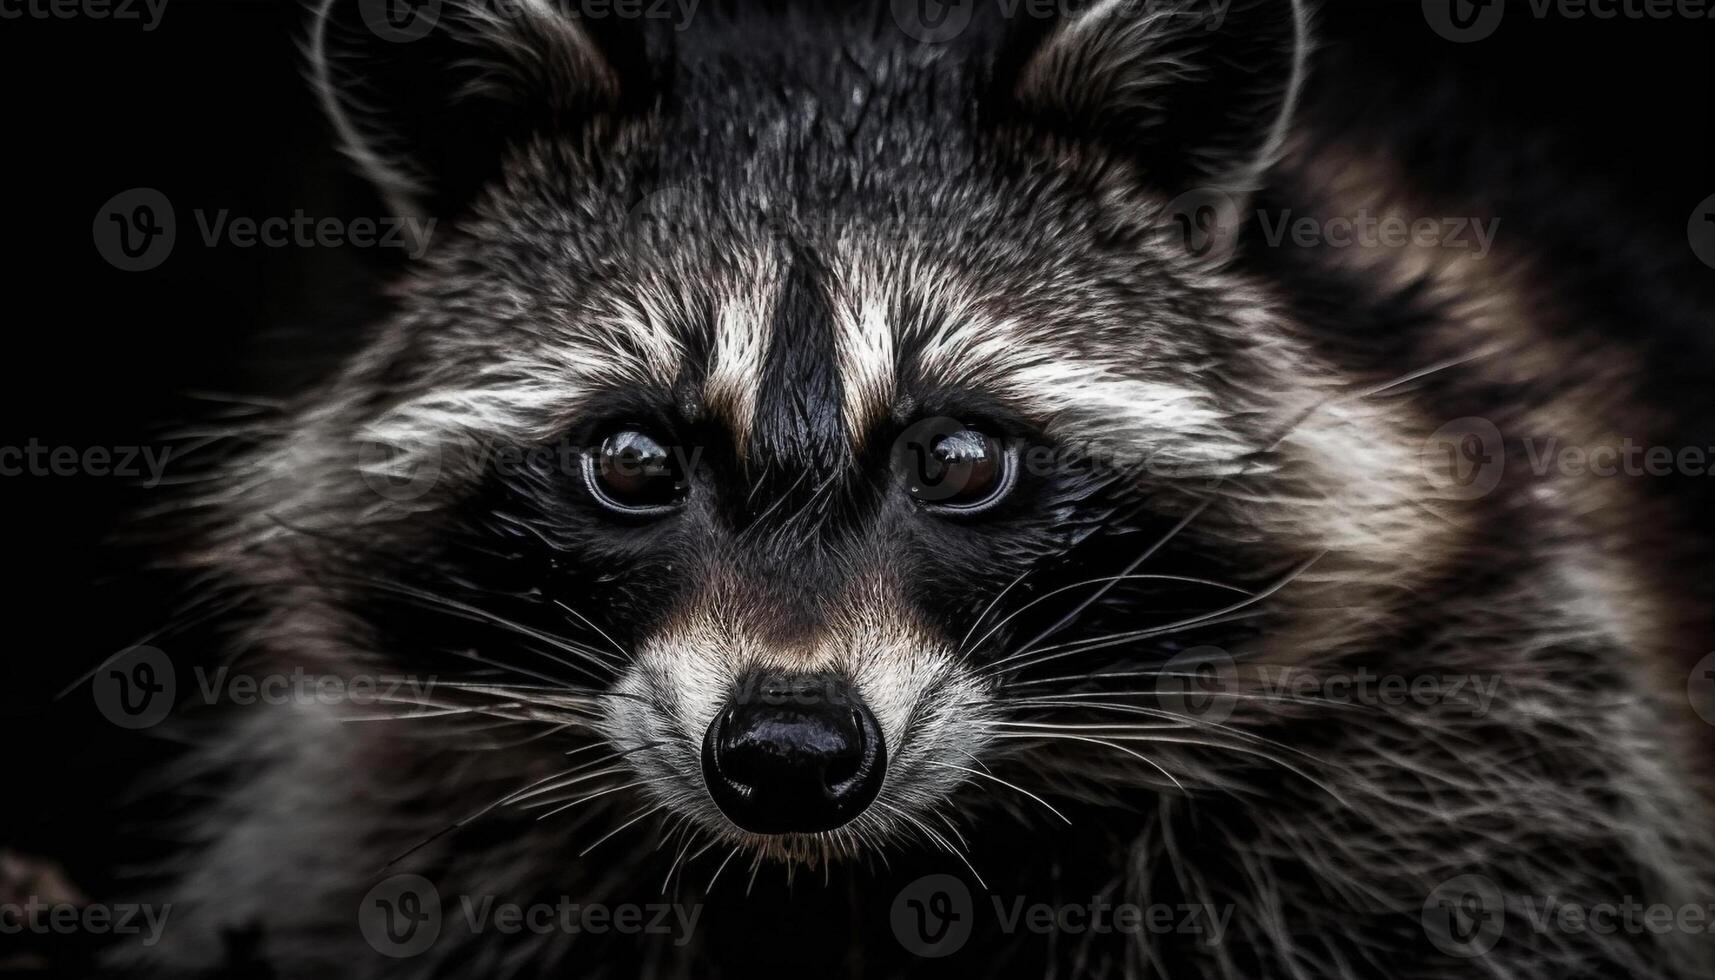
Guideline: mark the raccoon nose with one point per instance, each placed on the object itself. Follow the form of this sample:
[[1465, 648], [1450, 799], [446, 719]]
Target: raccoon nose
[[793, 753]]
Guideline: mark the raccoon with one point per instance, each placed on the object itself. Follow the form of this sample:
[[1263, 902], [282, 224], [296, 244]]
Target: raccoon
[[839, 481]]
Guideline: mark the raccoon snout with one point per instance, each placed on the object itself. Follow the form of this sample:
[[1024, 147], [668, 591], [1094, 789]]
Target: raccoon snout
[[794, 753]]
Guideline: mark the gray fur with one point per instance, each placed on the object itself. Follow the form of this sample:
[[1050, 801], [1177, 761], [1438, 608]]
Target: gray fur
[[1323, 828]]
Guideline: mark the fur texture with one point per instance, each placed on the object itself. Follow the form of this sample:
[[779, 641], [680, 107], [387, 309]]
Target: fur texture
[[786, 236]]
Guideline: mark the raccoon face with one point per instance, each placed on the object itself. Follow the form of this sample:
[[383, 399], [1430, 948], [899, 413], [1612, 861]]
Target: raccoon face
[[826, 385]]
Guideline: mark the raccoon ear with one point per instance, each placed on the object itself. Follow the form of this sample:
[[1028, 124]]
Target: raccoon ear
[[1198, 92], [425, 97]]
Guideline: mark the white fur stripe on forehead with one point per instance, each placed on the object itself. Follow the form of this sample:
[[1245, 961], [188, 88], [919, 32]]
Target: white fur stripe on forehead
[[1092, 404], [1088, 404], [864, 348], [534, 391], [743, 327]]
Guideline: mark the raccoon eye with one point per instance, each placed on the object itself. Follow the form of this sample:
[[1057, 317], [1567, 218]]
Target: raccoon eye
[[958, 471], [632, 473]]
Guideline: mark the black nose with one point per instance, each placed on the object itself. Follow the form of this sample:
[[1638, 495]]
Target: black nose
[[793, 753]]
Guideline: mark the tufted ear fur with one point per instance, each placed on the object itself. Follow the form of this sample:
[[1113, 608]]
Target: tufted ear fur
[[426, 96], [1198, 92]]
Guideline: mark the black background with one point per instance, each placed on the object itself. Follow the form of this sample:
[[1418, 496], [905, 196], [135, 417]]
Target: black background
[[210, 108]]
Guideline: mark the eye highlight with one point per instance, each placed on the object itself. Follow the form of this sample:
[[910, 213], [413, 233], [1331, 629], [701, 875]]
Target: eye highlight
[[949, 467], [634, 474]]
